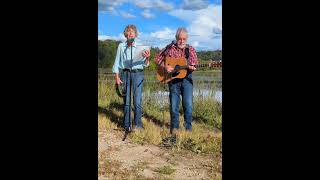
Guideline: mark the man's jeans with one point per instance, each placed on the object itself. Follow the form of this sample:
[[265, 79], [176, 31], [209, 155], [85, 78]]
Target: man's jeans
[[137, 83], [183, 87]]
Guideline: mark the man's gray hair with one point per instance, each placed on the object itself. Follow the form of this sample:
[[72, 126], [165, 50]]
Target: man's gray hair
[[180, 30]]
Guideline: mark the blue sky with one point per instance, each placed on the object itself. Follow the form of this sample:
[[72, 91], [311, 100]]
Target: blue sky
[[157, 21]]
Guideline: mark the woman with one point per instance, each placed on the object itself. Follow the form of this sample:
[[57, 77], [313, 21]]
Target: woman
[[132, 73]]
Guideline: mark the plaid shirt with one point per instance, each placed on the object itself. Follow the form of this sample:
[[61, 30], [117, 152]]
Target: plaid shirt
[[176, 52]]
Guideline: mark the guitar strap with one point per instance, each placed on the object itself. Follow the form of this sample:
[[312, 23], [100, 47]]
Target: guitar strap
[[186, 52]]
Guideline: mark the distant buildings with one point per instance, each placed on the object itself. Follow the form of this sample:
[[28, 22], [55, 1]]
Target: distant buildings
[[216, 63]]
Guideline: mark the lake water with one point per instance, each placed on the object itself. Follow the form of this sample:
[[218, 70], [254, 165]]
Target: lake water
[[206, 85], [204, 93]]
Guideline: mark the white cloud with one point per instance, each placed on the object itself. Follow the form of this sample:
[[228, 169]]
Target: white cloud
[[195, 44], [194, 4], [143, 3], [163, 34], [156, 39], [108, 6], [164, 37], [146, 13], [205, 26], [163, 5], [126, 14], [142, 39], [157, 4], [112, 11], [102, 37], [213, 14]]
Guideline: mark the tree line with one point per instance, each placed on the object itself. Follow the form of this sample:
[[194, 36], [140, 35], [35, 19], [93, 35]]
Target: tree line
[[107, 50]]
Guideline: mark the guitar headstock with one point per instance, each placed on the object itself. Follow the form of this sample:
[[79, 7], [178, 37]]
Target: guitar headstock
[[217, 64]]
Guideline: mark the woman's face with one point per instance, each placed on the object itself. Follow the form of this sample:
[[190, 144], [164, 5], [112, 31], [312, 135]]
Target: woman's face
[[131, 33]]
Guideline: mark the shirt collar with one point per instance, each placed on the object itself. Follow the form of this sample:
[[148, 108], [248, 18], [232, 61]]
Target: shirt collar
[[176, 46], [134, 44]]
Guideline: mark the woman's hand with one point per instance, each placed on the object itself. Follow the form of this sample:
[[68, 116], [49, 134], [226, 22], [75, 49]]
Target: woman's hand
[[118, 80], [146, 53]]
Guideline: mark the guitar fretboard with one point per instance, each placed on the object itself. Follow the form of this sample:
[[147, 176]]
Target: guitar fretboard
[[201, 65], [210, 65]]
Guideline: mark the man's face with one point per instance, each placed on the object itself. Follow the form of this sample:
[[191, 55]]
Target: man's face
[[131, 33], [182, 40]]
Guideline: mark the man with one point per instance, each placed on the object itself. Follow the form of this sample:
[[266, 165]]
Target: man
[[180, 87], [133, 72]]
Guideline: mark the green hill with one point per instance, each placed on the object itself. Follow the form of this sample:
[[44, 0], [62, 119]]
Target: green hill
[[107, 50]]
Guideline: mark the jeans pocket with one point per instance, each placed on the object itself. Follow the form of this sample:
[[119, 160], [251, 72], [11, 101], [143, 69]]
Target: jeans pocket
[[189, 78]]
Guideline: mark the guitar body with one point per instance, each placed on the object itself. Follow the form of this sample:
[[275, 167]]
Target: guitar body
[[162, 74]]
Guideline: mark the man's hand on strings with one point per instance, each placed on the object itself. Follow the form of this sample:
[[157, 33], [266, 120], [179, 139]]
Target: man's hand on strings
[[192, 68], [169, 68]]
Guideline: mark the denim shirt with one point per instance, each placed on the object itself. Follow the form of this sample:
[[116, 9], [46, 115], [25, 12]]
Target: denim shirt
[[123, 58]]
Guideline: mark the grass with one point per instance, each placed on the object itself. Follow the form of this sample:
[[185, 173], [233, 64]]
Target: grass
[[207, 111], [207, 116], [106, 166], [150, 134], [200, 140], [105, 123], [165, 170], [111, 169]]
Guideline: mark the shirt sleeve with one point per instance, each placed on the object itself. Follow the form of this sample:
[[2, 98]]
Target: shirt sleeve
[[193, 59], [116, 65], [159, 57]]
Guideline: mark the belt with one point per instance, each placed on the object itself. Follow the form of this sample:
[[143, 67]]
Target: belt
[[133, 70]]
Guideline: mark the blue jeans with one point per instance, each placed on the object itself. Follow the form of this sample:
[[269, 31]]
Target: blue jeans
[[137, 84], [183, 87]]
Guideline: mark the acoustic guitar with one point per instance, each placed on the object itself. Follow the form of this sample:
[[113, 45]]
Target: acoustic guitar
[[180, 69]]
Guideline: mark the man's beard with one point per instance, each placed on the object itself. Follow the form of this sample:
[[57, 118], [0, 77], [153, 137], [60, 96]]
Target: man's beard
[[181, 46]]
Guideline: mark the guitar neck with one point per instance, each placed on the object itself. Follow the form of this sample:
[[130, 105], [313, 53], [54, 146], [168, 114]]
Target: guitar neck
[[197, 66], [201, 65]]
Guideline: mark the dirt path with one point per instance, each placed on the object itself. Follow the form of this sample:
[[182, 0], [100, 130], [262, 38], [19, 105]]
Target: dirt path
[[125, 160]]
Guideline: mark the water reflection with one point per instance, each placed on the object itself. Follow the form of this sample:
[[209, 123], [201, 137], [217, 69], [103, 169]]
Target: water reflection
[[204, 93]]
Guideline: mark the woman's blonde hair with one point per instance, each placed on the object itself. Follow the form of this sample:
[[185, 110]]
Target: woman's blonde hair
[[130, 26]]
